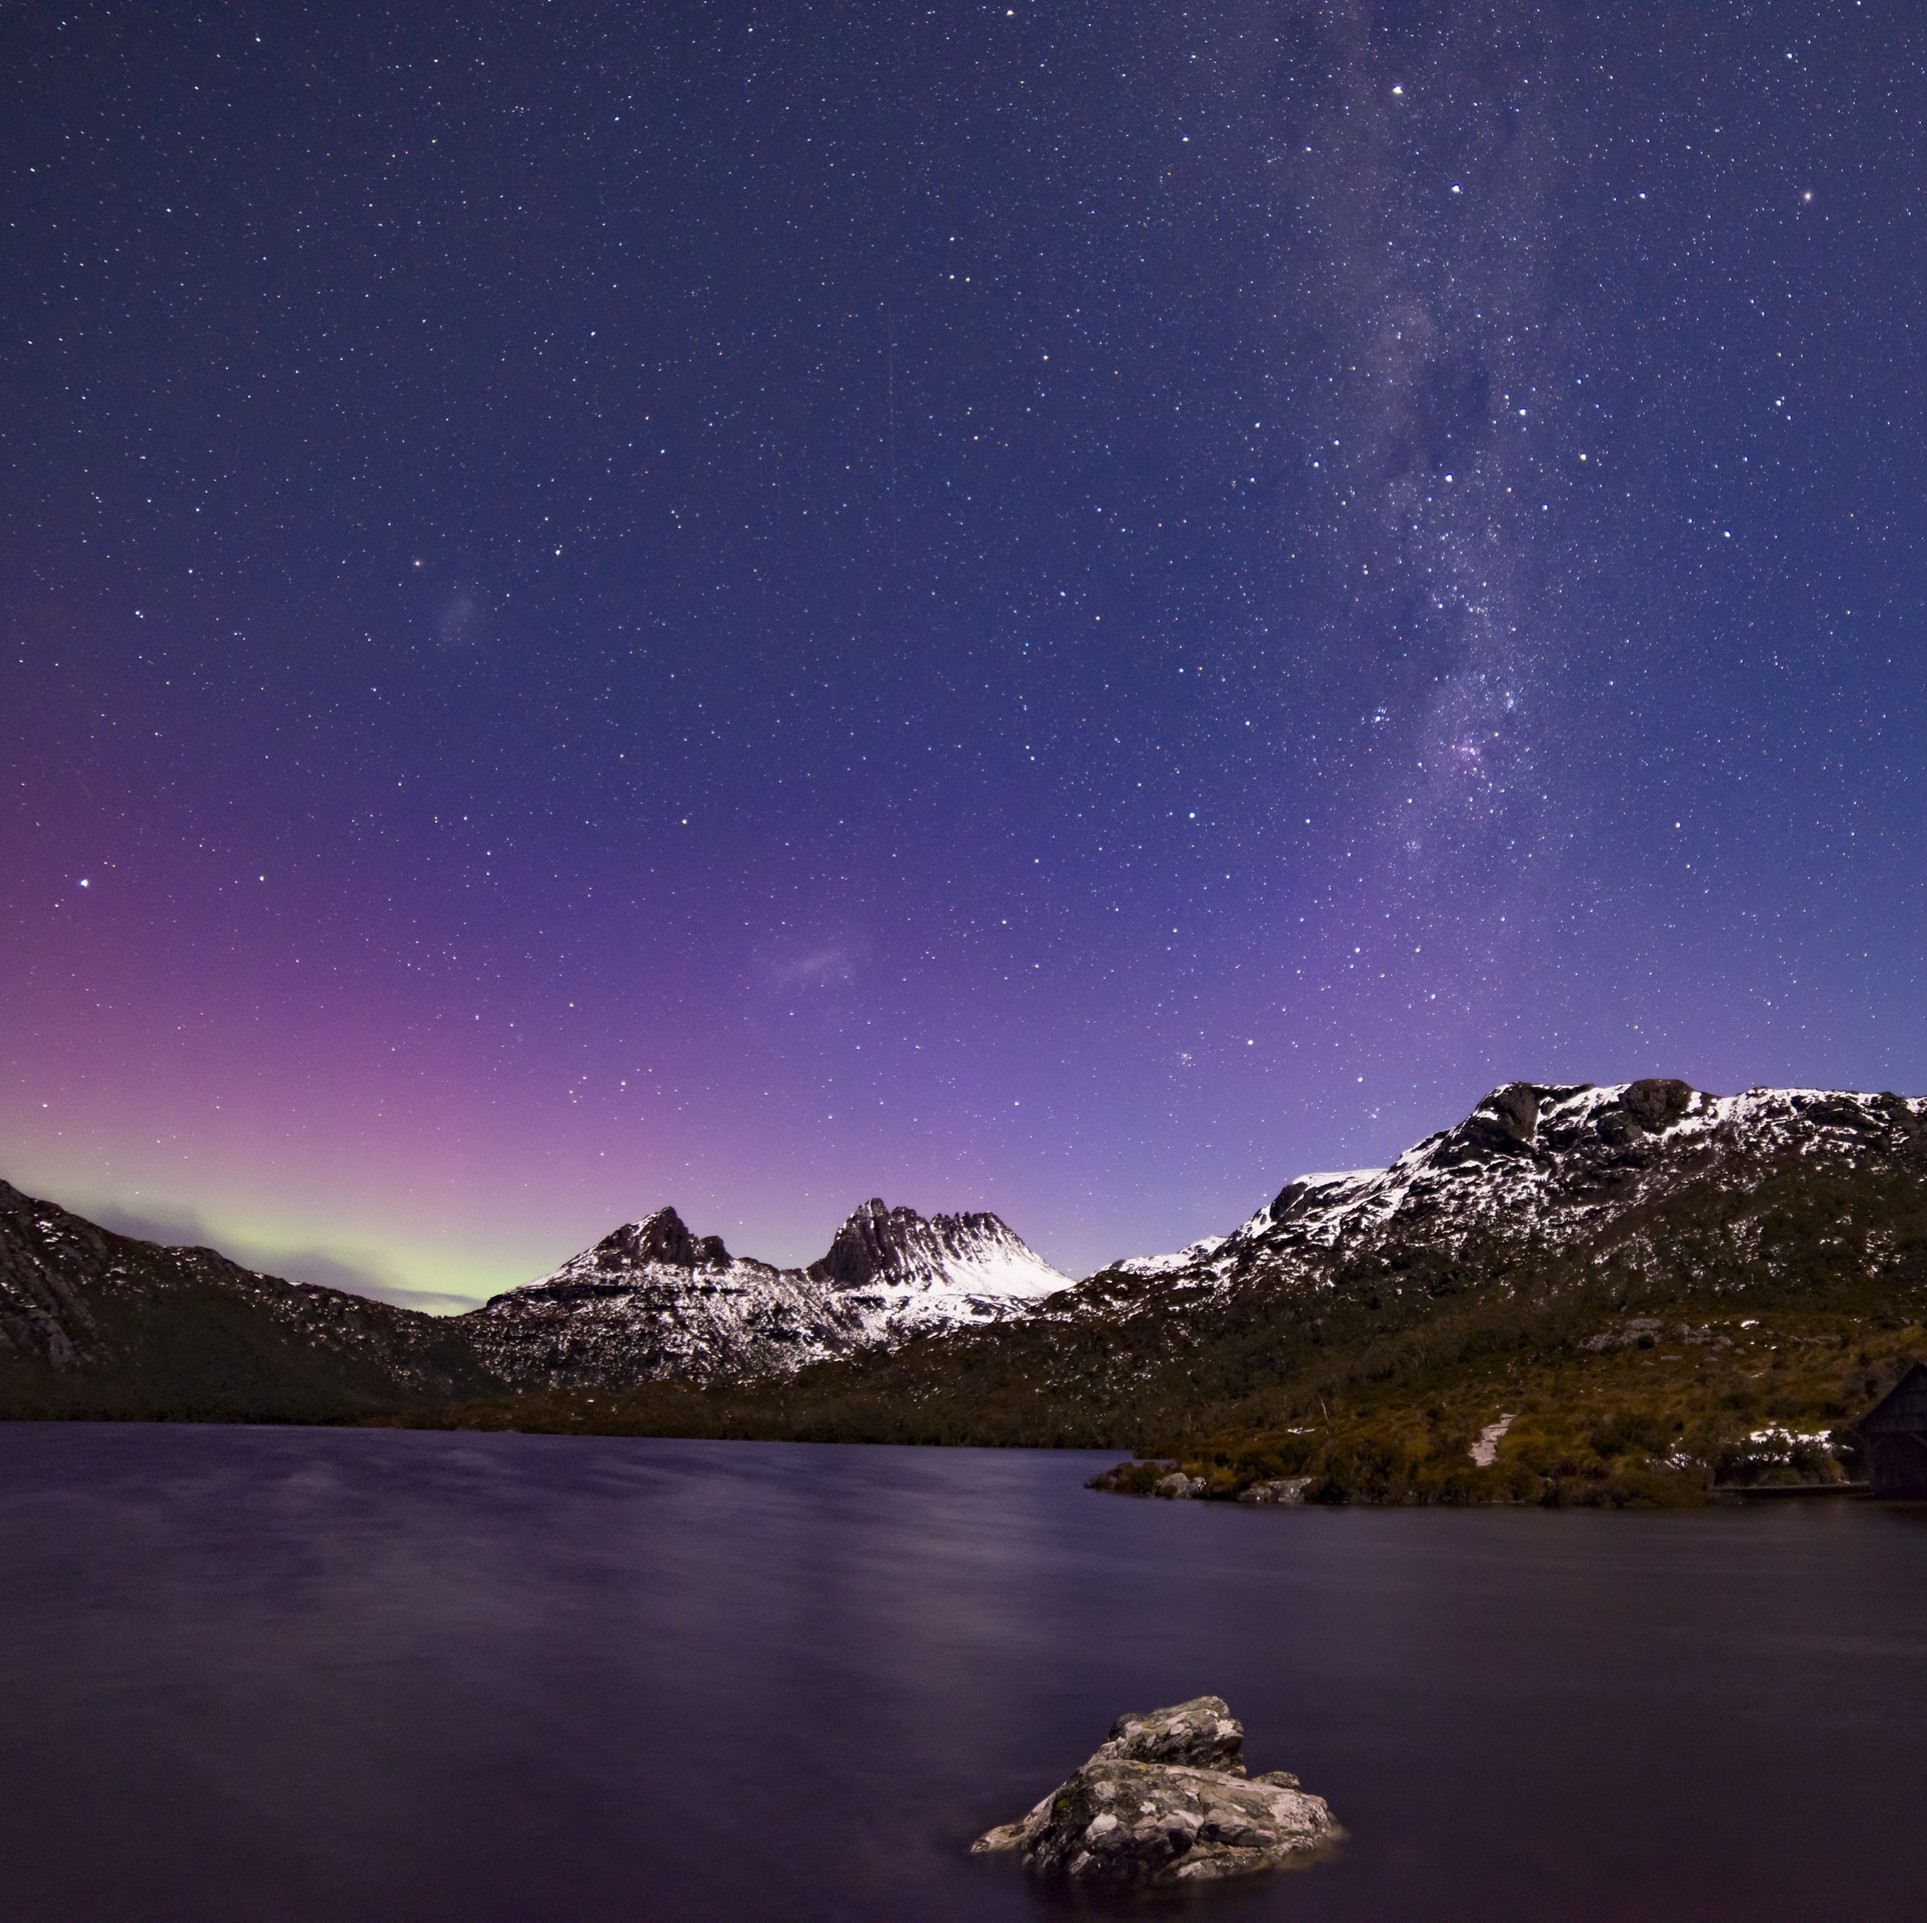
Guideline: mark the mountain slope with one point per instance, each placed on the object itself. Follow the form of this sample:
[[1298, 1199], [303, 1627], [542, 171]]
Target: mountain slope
[[1554, 1165], [93, 1323], [906, 1275], [652, 1301], [1709, 1266], [102, 1324], [1645, 1279]]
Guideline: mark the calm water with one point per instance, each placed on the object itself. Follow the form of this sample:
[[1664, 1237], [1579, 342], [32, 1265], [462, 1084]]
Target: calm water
[[293, 1675]]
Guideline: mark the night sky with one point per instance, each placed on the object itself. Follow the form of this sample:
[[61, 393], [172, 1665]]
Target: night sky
[[1071, 609]]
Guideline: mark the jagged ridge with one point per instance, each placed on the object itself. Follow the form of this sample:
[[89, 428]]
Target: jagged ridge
[[1532, 1230], [1544, 1193], [1552, 1163], [97, 1323], [653, 1301]]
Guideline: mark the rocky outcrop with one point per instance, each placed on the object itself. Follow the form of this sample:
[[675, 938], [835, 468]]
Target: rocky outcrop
[[661, 1237], [1289, 1490], [1550, 1165], [652, 1302], [896, 1255], [1166, 1800], [1200, 1734]]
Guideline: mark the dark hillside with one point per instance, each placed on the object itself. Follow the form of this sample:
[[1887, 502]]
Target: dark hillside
[[98, 1324]]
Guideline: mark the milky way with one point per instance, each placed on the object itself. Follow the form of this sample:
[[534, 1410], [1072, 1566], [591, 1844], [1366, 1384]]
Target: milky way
[[1065, 610], [1418, 310]]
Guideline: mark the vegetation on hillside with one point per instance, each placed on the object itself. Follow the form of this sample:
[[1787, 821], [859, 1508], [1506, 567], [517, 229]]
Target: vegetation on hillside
[[1731, 1332], [1664, 1411], [1730, 1325], [1651, 1415]]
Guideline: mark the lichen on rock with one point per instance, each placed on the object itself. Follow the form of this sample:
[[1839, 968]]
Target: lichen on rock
[[1200, 1734], [1164, 1800]]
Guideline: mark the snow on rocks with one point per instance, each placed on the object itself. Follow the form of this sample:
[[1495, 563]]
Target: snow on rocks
[[904, 1273], [1546, 1158], [1551, 1162], [1179, 1260], [652, 1301]]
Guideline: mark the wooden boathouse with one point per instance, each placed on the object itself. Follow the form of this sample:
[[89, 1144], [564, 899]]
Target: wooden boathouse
[[1895, 1434]]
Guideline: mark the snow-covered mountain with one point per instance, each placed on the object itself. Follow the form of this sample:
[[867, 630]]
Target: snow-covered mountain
[[907, 1274], [1645, 1189], [1554, 1163], [652, 1300]]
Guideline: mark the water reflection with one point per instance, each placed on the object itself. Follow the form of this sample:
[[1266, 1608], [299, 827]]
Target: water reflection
[[309, 1674]]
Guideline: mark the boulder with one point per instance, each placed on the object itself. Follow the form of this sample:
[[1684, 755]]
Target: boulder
[[1166, 1800], [1178, 1486], [1200, 1734], [1289, 1489]]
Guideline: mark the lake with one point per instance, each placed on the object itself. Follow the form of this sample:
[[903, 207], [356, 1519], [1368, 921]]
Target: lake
[[308, 1674]]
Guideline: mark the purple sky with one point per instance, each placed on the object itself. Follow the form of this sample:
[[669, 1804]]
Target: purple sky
[[1067, 610]]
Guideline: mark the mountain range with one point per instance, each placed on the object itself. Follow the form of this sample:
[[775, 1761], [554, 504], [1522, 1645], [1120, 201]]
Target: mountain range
[[1553, 1167], [92, 1322], [1559, 1240], [652, 1301]]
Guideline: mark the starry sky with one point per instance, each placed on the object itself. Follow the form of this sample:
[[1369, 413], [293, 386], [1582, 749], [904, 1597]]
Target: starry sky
[[1072, 609]]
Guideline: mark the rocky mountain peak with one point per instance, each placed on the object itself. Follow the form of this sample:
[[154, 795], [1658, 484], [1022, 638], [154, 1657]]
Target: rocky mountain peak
[[1549, 1158], [874, 1241], [1542, 1121], [1505, 1123], [974, 1257], [659, 1237], [653, 1300]]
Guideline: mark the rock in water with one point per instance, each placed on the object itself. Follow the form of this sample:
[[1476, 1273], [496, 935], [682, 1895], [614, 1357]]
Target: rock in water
[[1200, 1734], [1166, 1800]]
